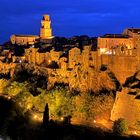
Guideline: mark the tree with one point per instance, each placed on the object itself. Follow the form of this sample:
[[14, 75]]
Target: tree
[[60, 102], [46, 115], [14, 88], [120, 126]]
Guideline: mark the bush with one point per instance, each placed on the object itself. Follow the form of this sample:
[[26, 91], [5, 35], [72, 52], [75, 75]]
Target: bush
[[120, 126], [137, 125]]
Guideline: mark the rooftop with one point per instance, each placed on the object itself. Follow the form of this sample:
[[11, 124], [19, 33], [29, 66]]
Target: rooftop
[[46, 17], [20, 35], [134, 30], [114, 36]]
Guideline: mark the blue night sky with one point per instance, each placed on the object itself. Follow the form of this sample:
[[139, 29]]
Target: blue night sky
[[74, 17]]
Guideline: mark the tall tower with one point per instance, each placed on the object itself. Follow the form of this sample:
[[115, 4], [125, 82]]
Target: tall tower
[[46, 31]]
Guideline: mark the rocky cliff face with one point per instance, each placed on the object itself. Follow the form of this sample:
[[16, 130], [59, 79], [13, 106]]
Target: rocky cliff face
[[85, 80], [127, 102]]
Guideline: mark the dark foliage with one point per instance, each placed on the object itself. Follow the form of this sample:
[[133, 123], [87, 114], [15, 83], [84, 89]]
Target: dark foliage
[[18, 50], [5, 76], [136, 85], [120, 126], [46, 116], [44, 49], [53, 65], [17, 127], [8, 45], [115, 80], [104, 91], [7, 60], [60, 85], [130, 80], [5, 108], [22, 75], [75, 92], [137, 97], [103, 68], [35, 80], [132, 93]]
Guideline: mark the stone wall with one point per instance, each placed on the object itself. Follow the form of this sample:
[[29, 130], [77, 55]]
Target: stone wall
[[121, 66], [127, 107], [108, 43], [23, 39], [33, 56]]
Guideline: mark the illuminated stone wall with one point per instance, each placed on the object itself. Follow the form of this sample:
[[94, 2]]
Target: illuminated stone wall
[[23, 39], [80, 68], [86, 54], [63, 64], [108, 43], [130, 38], [122, 66], [74, 57], [55, 55], [40, 58], [33, 56], [127, 107], [30, 55], [6, 68], [46, 31]]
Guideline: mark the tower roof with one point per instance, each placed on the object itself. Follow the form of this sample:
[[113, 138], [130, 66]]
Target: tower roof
[[46, 17]]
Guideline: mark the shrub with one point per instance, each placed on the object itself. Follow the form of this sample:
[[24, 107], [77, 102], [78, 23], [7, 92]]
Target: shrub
[[120, 126], [137, 125]]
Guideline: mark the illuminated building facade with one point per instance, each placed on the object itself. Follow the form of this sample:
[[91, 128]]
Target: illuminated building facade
[[129, 39], [24, 39], [45, 33]]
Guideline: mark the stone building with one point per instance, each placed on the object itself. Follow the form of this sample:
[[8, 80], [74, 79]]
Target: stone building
[[80, 68], [126, 106], [45, 33], [24, 39], [32, 55], [120, 52], [84, 57], [128, 39], [74, 57]]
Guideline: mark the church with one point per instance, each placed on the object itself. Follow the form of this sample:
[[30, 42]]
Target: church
[[45, 34]]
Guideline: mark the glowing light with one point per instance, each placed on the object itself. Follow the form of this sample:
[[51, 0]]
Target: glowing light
[[35, 117], [129, 47], [94, 121], [23, 57], [9, 97], [49, 61], [135, 132], [108, 52], [62, 118], [102, 50], [20, 61]]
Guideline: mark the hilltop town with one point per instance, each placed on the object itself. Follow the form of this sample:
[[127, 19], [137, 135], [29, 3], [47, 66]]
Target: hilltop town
[[63, 57], [75, 61]]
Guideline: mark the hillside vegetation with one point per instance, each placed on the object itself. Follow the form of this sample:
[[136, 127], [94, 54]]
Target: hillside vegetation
[[28, 93]]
